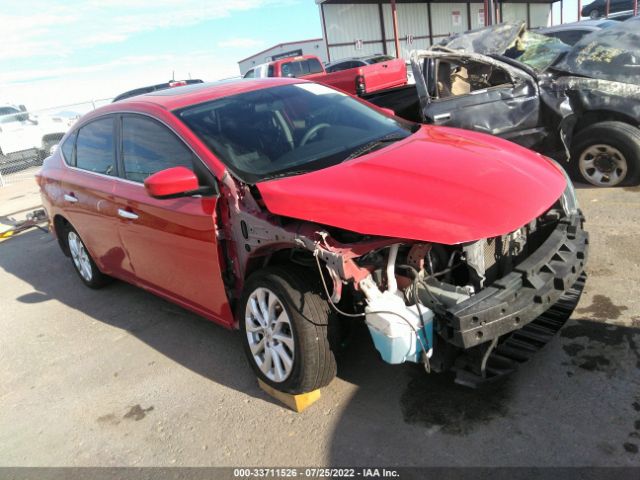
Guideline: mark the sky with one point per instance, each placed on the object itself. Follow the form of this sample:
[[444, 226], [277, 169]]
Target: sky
[[55, 53], [60, 52]]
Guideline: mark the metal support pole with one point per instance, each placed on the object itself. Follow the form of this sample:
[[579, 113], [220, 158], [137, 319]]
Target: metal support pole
[[561, 12], [486, 12], [492, 12], [382, 32], [608, 8], [579, 9], [430, 23], [635, 7], [394, 16]]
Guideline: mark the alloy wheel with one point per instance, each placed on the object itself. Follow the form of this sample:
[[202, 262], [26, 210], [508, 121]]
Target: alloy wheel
[[269, 334], [80, 256]]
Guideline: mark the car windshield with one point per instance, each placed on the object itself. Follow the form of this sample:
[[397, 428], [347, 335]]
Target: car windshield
[[536, 50], [289, 129]]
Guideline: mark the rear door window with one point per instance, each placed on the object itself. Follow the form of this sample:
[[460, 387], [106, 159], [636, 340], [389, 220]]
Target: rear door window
[[336, 68], [313, 65], [95, 147], [379, 59], [345, 66], [148, 147], [455, 78]]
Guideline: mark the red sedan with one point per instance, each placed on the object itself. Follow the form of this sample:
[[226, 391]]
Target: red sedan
[[285, 208]]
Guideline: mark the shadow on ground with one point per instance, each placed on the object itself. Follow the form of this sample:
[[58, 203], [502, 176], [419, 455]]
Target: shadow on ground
[[197, 344], [576, 403]]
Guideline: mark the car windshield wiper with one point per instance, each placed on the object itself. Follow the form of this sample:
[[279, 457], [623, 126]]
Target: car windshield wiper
[[374, 145]]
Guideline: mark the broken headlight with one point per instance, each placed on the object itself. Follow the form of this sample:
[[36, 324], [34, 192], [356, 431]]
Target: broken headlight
[[569, 200]]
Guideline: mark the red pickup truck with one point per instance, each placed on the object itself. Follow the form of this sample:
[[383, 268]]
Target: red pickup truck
[[367, 78]]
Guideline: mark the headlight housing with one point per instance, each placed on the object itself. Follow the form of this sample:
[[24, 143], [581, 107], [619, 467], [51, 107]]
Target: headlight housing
[[569, 200]]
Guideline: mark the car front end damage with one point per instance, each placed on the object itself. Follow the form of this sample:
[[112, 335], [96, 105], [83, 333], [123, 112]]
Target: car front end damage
[[448, 306]]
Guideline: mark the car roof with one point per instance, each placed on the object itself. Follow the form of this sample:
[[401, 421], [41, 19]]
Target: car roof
[[153, 88], [179, 97]]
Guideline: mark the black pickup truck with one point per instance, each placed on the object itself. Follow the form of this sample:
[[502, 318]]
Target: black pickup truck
[[580, 104]]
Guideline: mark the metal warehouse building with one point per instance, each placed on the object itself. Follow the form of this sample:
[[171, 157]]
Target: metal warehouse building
[[354, 28]]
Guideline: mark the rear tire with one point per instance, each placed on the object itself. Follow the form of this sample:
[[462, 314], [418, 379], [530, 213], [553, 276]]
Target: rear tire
[[607, 154], [284, 323], [82, 262], [594, 14]]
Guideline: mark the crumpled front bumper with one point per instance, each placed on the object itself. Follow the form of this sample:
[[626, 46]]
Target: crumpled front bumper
[[529, 290]]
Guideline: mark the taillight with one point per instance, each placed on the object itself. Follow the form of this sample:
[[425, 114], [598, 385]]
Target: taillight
[[361, 87]]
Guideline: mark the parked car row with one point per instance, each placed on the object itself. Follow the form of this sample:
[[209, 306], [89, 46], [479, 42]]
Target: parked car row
[[289, 209], [599, 8], [355, 76]]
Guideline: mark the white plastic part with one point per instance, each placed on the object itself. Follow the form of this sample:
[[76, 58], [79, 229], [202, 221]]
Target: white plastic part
[[392, 285], [400, 322], [394, 326]]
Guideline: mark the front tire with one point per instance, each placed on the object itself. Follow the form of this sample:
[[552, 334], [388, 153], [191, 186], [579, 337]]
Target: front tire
[[82, 262], [594, 14], [284, 323], [607, 154]]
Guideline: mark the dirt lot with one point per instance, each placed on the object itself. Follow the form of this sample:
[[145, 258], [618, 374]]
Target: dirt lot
[[120, 377]]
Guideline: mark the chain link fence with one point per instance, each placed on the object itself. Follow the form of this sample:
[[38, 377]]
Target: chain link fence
[[27, 137]]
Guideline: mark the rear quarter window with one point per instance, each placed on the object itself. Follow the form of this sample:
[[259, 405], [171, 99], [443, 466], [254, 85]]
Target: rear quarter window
[[67, 149], [95, 147]]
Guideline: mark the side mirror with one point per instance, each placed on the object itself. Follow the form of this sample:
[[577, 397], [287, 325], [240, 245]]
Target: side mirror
[[172, 182], [22, 108], [388, 111]]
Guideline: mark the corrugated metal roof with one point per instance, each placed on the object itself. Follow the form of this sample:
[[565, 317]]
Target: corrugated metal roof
[[356, 2], [282, 45]]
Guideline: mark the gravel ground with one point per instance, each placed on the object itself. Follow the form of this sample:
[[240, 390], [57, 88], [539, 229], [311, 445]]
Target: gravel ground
[[118, 377]]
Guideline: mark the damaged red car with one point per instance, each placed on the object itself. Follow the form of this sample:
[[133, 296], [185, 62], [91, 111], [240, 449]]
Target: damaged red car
[[290, 210]]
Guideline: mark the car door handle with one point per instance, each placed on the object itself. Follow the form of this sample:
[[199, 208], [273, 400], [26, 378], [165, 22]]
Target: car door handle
[[70, 197], [127, 214], [441, 117]]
